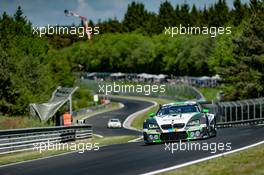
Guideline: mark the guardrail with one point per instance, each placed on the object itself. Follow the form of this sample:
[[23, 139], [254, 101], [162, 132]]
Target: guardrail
[[237, 113], [16, 140]]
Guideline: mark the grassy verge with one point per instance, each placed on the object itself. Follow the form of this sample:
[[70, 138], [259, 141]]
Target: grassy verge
[[21, 122], [209, 93], [242, 163], [110, 107], [138, 121], [30, 155]]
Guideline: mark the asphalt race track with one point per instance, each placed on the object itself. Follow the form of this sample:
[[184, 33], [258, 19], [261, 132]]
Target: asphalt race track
[[99, 121], [130, 158]]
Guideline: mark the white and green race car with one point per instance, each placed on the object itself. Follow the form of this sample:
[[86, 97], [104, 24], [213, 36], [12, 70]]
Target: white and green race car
[[179, 121]]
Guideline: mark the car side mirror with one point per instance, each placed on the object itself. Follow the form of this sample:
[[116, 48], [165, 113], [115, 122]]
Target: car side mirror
[[152, 114], [205, 110]]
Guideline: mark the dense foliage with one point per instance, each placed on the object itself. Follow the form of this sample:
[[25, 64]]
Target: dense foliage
[[245, 74], [31, 67], [138, 19], [136, 53], [28, 72]]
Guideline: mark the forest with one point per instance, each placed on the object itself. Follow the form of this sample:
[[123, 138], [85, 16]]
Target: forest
[[32, 67]]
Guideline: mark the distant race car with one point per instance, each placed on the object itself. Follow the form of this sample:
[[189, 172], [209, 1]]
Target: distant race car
[[179, 121], [114, 123]]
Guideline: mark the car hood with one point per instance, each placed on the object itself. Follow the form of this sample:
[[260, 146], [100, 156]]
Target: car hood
[[172, 119]]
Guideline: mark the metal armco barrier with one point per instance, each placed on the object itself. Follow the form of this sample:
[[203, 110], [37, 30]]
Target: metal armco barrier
[[237, 113], [16, 140]]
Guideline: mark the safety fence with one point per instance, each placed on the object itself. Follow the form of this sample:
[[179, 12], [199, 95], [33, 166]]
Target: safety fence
[[172, 91], [203, 81], [17, 140], [237, 113], [228, 114]]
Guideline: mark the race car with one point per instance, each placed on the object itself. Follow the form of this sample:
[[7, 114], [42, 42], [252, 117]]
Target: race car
[[179, 121]]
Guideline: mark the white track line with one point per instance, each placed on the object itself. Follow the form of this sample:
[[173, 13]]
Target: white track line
[[97, 135], [136, 140], [202, 159]]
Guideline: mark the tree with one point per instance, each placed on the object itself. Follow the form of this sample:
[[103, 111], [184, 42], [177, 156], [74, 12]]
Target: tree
[[166, 17], [195, 16], [246, 76], [22, 26], [238, 13], [219, 14], [150, 25], [185, 15], [25, 74], [177, 15], [205, 17], [135, 17], [110, 26], [7, 94]]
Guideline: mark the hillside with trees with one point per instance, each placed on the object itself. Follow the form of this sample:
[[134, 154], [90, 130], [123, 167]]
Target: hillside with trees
[[31, 67]]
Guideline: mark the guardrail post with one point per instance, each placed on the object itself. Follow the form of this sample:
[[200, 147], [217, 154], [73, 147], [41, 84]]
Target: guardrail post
[[70, 100], [261, 110], [260, 107], [254, 109], [231, 115], [225, 113], [247, 109], [236, 110], [242, 112]]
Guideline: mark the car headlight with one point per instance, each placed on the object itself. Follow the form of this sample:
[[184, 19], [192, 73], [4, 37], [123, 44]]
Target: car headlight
[[153, 126], [193, 122]]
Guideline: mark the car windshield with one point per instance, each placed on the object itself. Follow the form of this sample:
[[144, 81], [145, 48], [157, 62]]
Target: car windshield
[[114, 120], [167, 110]]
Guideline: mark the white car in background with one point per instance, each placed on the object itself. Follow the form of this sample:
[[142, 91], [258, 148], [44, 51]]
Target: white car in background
[[114, 123]]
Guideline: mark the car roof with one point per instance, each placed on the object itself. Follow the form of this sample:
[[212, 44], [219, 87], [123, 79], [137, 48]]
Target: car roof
[[180, 103], [114, 119]]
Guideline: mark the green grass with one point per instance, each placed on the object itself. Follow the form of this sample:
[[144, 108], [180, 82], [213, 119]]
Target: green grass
[[30, 155], [249, 162], [21, 122], [209, 93], [139, 120]]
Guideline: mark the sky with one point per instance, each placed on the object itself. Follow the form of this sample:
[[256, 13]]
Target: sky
[[44, 12]]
